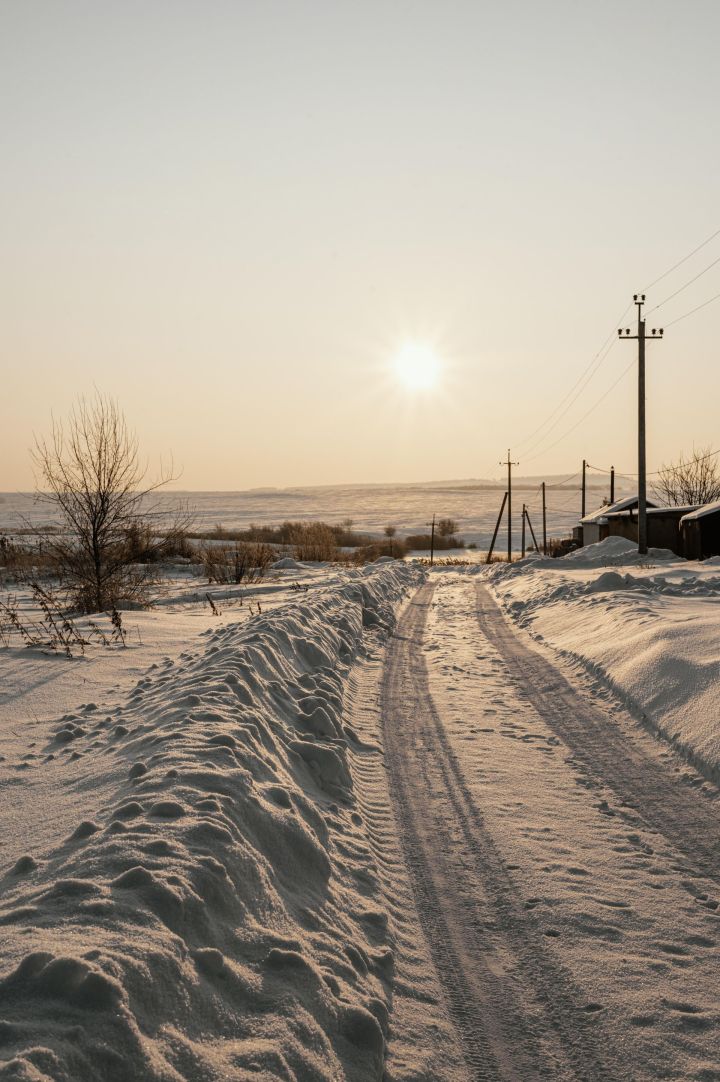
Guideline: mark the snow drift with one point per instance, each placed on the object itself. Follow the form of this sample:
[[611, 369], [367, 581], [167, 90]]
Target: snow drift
[[647, 627], [220, 916]]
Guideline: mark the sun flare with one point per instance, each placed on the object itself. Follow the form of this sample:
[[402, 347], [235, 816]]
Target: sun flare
[[417, 366]]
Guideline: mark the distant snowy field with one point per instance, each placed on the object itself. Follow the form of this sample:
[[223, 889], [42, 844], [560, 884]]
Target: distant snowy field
[[371, 507], [649, 627]]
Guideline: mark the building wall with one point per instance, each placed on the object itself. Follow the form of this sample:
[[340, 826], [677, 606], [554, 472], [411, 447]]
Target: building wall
[[710, 532], [663, 530], [591, 533], [664, 533], [691, 540]]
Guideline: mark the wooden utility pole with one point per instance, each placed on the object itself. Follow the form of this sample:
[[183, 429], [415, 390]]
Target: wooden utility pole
[[432, 539], [582, 504], [497, 527], [509, 465], [532, 532], [612, 484], [641, 338], [522, 547], [544, 522]]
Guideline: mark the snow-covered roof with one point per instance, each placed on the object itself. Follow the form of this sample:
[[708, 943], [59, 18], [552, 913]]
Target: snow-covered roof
[[610, 509], [700, 512], [672, 510]]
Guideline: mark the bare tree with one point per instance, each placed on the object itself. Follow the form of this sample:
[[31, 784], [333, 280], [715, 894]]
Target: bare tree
[[692, 480], [446, 527], [90, 473]]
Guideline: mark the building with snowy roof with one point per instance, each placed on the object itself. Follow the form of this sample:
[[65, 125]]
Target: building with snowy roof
[[596, 525], [700, 531], [621, 520]]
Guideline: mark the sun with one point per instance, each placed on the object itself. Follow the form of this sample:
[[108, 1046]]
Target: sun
[[417, 366]]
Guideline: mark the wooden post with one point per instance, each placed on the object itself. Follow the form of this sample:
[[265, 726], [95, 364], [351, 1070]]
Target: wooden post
[[523, 532], [582, 508], [509, 465], [612, 485], [641, 339], [544, 522], [497, 527], [432, 541], [527, 516], [642, 469]]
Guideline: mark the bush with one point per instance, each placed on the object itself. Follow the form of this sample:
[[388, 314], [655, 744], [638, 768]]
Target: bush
[[314, 541], [288, 533], [422, 541], [446, 527], [365, 554], [236, 563]]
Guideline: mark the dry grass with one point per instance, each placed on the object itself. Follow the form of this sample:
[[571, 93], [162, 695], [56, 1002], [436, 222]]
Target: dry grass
[[237, 563]]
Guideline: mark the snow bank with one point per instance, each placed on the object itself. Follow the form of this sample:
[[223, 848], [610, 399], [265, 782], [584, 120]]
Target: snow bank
[[614, 550], [219, 916], [286, 563], [650, 635]]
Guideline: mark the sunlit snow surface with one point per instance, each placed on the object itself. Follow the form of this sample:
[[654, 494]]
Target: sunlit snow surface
[[630, 918], [187, 890], [648, 626]]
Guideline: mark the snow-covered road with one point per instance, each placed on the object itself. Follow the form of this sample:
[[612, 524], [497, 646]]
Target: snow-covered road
[[392, 827], [564, 871]]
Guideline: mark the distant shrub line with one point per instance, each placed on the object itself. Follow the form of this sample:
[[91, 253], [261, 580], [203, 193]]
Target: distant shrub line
[[225, 556]]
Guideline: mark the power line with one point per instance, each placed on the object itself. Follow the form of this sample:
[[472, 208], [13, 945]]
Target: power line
[[599, 358], [584, 378], [559, 484], [669, 469], [681, 261], [565, 404], [591, 410], [693, 310], [682, 288]]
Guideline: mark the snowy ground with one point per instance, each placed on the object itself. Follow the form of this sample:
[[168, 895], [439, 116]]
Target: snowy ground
[[372, 824], [590, 853], [187, 891], [649, 628]]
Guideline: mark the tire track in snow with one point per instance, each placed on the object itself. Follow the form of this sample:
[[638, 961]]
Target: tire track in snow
[[516, 1010], [422, 1041], [608, 751]]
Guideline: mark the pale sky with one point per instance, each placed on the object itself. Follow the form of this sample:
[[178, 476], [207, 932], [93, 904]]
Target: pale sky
[[230, 216]]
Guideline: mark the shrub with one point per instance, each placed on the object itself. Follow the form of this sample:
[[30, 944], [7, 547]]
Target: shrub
[[365, 554], [241, 562], [314, 541], [423, 541]]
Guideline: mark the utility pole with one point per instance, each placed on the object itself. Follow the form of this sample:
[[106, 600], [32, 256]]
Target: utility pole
[[432, 539], [582, 505], [532, 532], [522, 549], [641, 338], [544, 522], [497, 527], [612, 484], [509, 465]]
